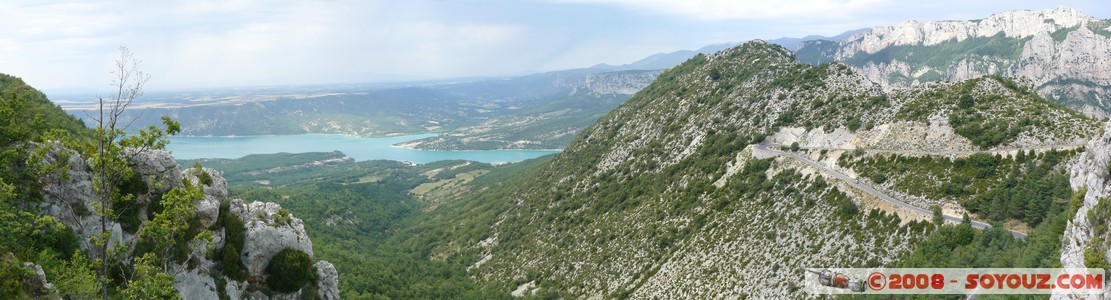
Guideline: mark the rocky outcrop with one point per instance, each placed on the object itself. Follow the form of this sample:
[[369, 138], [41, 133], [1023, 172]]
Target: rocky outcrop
[[623, 83], [38, 283], [196, 284], [208, 209], [1064, 53], [268, 228], [935, 136], [68, 195], [1086, 171], [326, 284], [158, 169], [1012, 24]]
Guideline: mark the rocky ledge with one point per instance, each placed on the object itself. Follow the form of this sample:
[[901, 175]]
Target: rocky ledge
[[267, 228]]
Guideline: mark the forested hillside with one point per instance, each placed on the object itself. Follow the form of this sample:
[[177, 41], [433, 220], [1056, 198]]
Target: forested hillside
[[362, 214], [666, 184], [24, 235]]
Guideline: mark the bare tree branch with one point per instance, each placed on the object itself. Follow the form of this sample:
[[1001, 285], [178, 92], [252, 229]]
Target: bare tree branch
[[109, 169]]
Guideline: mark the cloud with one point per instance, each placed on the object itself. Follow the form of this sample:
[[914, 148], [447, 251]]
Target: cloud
[[719, 10], [198, 43], [221, 43]]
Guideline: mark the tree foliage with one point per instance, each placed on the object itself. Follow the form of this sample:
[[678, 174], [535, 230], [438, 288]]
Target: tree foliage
[[169, 227], [150, 281], [289, 270]]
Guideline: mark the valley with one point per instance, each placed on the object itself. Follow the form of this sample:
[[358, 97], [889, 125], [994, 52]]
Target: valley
[[694, 204], [734, 171], [534, 112]]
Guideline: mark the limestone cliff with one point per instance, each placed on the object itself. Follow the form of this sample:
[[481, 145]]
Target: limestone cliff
[[267, 228], [1088, 171], [1063, 52]]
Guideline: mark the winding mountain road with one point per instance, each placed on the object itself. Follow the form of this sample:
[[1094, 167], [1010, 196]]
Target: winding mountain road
[[951, 152], [868, 189]]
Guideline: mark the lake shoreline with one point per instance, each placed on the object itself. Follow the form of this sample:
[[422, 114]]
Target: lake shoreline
[[358, 148]]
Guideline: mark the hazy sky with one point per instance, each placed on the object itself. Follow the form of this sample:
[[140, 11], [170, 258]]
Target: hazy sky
[[59, 45]]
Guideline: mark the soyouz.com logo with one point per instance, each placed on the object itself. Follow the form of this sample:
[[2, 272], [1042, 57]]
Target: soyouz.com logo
[[955, 281]]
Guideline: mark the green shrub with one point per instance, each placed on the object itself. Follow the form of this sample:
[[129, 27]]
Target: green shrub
[[1077, 201], [310, 293], [290, 270], [715, 74], [133, 184], [853, 124], [877, 177], [80, 209], [233, 230], [938, 217], [233, 237], [131, 187], [283, 217], [1093, 256], [230, 263], [54, 235], [181, 242], [11, 276], [202, 175], [222, 288]]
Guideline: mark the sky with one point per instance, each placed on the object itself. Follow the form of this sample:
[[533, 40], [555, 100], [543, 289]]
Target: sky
[[71, 46]]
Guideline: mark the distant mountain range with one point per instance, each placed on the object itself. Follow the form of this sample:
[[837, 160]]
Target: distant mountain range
[[541, 111], [660, 61], [1064, 53], [793, 44]]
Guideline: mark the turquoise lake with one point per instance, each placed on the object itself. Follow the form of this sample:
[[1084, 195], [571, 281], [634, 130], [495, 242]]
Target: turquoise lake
[[356, 147]]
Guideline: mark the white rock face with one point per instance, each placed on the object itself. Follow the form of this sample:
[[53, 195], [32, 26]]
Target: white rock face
[[327, 285], [1087, 170], [528, 288], [617, 83], [1075, 68], [1014, 24], [208, 209], [937, 135], [233, 288], [156, 164], [267, 234], [192, 284]]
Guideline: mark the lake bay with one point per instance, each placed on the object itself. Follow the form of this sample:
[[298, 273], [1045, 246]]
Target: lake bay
[[191, 147]]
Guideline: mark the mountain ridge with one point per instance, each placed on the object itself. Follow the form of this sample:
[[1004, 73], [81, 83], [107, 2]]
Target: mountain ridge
[[666, 185], [1062, 52]]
